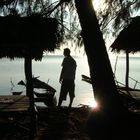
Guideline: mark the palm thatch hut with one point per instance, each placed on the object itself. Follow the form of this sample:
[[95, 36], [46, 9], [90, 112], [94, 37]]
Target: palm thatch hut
[[128, 41], [28, 37]]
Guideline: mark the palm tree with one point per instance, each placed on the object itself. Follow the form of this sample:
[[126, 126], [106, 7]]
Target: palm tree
[[100, 69]]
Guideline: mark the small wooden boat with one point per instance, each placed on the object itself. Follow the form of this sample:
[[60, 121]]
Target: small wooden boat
[[17, 93], [128, 96], [40, 84], [45, 95], [47, 98]]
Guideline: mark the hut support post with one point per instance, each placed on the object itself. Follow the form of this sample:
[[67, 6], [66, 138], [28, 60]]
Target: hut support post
[[29, 92], [127, 71]]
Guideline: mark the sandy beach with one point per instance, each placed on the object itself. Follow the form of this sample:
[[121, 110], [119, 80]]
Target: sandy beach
[[76, 123], [52, 124]]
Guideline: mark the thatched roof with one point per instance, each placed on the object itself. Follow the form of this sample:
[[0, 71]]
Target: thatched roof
[[129, 38], [27, 36]]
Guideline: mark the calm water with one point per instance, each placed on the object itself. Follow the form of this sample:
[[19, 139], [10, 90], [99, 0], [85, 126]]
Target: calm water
[[49, 69], [134, 70]]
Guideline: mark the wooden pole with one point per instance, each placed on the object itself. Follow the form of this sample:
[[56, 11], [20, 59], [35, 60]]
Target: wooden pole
[[127, 71], [29, 92]]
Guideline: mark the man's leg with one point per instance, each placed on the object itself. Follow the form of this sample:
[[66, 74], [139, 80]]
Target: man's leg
[[62, 94], [71, 92], [71, 101], [60, 102]]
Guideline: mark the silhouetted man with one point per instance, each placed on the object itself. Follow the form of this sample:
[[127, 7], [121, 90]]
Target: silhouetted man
[[67, 78]]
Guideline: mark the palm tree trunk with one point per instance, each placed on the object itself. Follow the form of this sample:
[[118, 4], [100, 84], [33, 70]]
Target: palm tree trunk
[[103, 83]]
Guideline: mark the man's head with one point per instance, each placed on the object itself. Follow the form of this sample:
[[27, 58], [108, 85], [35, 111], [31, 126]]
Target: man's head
[[66, 52]]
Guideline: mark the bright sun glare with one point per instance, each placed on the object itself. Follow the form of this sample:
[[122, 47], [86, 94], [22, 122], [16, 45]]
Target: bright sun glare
[[98, 4], [92, 103]]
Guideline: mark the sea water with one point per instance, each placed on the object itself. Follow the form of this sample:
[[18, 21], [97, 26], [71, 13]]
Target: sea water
[[49, 68]]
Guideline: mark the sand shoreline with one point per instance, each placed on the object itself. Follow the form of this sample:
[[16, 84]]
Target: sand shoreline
[[53, 124], [65, 123]]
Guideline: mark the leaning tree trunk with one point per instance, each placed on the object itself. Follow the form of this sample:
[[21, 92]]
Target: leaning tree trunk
[[103, 83]]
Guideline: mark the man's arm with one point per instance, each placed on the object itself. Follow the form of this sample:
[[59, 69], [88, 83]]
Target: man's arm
[[61, 75], [62, 72]]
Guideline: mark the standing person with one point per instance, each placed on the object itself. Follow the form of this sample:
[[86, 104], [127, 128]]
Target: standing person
[[67, 78]]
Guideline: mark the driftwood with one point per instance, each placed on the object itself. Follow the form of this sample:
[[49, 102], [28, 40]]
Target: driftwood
[[86, 79]]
